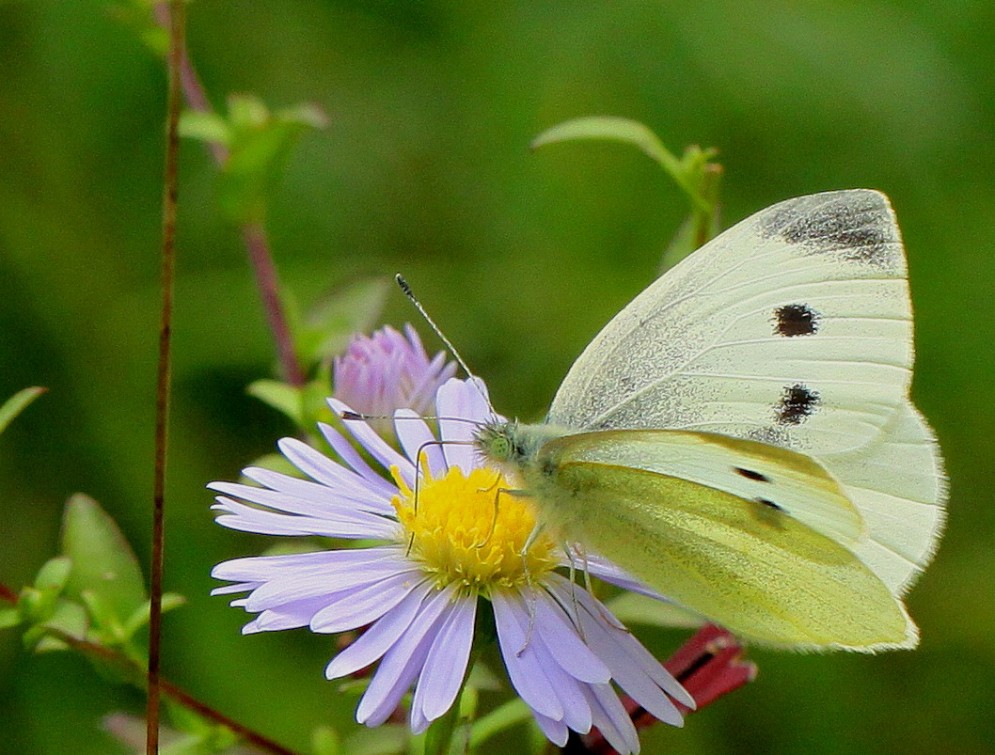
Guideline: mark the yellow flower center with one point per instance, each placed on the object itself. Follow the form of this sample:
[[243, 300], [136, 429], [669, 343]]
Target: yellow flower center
[[467, 530]]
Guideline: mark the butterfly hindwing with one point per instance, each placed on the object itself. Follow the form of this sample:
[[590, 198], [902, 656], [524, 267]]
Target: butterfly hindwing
[[752, 568], [783, 482], [898, 486]]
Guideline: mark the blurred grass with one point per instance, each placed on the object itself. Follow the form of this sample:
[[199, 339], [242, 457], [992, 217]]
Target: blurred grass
[[520, 257]]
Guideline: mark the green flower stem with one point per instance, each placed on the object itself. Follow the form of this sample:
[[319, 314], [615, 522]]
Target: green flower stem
[[511, 713]]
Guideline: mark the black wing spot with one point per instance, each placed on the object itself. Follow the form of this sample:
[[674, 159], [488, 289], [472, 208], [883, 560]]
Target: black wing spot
[[797, 403], [795, 320], [769, 503], [750, 474], [855, 225]]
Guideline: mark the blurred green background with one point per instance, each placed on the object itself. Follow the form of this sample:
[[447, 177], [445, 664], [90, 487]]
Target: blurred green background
[[521, 257]]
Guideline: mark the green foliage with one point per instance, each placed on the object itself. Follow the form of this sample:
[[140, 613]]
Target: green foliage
[[324, 331], [139, 16], [105, 574], [17, 404], [258, 143], [694, 172]]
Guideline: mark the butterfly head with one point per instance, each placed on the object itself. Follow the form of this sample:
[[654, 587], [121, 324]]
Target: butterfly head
[[500, 442]]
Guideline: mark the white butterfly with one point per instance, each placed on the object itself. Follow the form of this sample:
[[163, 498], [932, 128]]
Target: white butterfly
[[741, 436]]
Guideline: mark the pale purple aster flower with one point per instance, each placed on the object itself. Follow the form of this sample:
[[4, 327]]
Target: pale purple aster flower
[[389, 370], [417, 589]]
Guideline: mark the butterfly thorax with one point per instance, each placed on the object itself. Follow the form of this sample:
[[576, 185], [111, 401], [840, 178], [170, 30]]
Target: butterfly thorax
[[513, 446]]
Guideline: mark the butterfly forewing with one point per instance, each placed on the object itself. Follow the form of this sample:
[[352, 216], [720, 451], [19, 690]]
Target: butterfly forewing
[[793, 327]]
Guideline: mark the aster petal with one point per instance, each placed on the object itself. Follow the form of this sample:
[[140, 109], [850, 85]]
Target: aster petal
[[633, 667], [566, 645], [239, 516], [555, 730], [363, 496], [436, 372], [442, 675], [380, 636], [403, 661], [351, 456], [524, 669], [286, 616], [367, 604], [264, 568], [612, 719], [377, 446], [327, 582], [456, 402], [348, 514], [320, 468], [417, 439], [238, 587], [318, 567], [576, 710]]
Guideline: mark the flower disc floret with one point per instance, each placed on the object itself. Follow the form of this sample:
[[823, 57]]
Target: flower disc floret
[[467, 529]]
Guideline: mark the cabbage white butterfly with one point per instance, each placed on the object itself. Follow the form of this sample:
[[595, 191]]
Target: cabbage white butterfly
[[740, 437]]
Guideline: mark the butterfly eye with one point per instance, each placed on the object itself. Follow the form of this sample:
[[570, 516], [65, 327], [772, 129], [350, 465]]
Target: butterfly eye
[[501, 447]]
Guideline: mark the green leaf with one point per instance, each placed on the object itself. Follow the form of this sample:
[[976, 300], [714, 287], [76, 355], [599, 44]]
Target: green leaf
[[205, 127], [337, 317], [54, 574], [326, 741], [615, 129], [68, 617], [511, 713], [140, 617], [281, 396], [138, 15], [388, 739], [259, 143], [16, 404], [108, 626], [103, 563], [690, 172], [9, 617]]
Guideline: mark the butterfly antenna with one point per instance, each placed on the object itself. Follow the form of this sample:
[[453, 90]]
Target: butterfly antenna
[[431, 323]]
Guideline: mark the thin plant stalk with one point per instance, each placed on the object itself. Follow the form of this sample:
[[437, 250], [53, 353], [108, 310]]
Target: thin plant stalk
[[170, 193]]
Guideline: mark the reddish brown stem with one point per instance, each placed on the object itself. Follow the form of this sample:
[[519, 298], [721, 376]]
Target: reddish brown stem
[[170, 194], [7, 594], [254, 235], [170, 690]]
